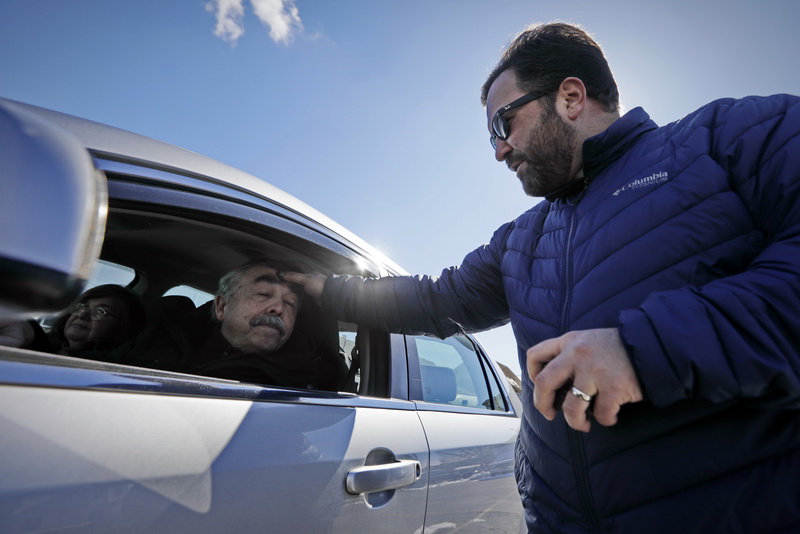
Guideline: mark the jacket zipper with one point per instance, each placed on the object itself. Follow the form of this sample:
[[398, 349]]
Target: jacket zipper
[[575, 439], [567, 275], [567, 285]]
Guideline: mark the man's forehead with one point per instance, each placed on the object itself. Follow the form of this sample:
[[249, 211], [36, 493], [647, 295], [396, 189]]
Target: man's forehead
[[263, 274], [269, 275]]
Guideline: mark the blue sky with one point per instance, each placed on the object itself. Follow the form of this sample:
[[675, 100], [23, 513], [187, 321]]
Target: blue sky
[[369, 110]]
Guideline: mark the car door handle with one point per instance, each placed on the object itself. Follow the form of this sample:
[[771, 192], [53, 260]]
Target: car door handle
[[371, 478]]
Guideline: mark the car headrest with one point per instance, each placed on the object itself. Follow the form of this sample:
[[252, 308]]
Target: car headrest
[[438, 383]]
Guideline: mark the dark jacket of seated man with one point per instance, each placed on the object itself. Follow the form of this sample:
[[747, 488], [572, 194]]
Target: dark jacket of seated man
[[258, 329]]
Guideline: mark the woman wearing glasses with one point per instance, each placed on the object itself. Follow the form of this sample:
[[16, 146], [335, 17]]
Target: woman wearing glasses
[[100, 320]]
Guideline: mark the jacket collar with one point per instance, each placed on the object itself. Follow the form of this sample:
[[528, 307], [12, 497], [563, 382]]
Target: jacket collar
[[601, 150], [604, 148]]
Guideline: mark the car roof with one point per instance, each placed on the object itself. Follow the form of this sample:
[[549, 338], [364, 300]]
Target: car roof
[[122, 145]]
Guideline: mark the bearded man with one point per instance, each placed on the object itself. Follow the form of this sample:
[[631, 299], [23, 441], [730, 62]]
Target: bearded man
[[654, 297]]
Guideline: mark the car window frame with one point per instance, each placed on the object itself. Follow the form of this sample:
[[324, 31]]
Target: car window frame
[[158, 191], [128, 181]]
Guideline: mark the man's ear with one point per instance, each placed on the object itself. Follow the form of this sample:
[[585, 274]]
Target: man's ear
[[572, 97], [219, 307]]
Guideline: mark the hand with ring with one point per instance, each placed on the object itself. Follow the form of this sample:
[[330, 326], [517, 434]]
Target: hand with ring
[[593, 366]]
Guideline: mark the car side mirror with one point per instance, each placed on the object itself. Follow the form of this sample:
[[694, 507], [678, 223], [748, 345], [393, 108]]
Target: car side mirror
[[53, 206]]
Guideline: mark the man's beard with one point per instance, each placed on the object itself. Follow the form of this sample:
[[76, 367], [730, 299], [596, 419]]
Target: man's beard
[[547, 153]]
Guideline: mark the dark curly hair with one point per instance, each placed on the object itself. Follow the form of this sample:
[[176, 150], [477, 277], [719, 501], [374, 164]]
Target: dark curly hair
[[542, 56]]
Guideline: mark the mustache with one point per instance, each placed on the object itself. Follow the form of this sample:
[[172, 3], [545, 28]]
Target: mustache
[[513, 159], [269, 320]]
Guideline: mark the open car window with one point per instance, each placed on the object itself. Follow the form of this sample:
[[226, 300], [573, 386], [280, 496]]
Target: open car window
[[170, 247]]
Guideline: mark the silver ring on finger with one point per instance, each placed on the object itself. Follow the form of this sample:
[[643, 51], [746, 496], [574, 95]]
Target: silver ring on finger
[[581, 395]]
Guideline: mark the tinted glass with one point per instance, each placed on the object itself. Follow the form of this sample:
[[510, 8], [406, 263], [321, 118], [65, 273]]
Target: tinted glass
[[452, 373]]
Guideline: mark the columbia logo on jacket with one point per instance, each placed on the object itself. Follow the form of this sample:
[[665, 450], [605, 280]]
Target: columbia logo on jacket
[[653, 179]]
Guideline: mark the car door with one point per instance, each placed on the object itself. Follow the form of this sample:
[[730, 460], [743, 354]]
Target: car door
[[101, 447], [471, 426], [104, 448]]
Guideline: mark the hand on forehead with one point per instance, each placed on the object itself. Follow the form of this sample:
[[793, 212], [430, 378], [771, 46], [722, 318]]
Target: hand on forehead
[[270, 275]]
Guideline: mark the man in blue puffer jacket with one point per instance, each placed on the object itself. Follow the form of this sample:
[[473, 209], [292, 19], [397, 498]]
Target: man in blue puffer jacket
[[658, 286]]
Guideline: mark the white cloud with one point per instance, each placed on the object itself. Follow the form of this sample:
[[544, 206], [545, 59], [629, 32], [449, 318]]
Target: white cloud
[[229, 14], [281, 16]]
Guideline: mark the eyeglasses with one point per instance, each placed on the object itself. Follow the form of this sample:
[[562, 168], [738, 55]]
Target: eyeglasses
[[97, 313], [500, 127]]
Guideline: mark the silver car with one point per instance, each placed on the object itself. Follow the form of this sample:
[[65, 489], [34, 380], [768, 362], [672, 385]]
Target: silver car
[[421, 440]]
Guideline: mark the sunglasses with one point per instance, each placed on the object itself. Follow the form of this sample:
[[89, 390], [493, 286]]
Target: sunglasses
[[500, 127], [97, 313]]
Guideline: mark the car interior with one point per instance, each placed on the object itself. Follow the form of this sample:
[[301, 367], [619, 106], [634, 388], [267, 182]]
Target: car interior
[[173, 258]]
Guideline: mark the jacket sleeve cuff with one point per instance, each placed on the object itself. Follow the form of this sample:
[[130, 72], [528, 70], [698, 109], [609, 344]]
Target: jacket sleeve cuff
[[658, 380]]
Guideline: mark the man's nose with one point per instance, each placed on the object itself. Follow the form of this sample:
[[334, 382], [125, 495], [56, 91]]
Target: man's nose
[[275, 307], [501, 151]]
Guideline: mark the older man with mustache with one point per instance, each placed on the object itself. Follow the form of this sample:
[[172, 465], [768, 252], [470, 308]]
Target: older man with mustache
[[256, 309], [253, 335]]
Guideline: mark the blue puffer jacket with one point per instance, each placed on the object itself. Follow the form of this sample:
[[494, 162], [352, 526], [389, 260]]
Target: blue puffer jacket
[[687, 239]]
